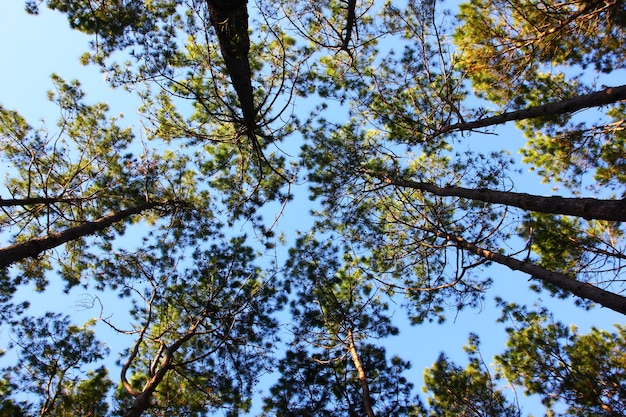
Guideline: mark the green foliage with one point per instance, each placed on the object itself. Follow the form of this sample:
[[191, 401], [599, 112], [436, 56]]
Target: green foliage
[[146, 24], [534, 50], [586, 372], [472, 391], [573, 374], [335, 312], [8, 406], [53, 356], [400, 227], [566, 155], [320, 384], [516, 43], [207, 327], [353, 100], [581, 249]]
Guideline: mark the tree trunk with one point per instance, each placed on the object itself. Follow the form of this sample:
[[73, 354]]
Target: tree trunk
[[583, 290], [34, 247], [587, 208], [599, 98], [367, 399], [350, 23], [141, 404], [230, 21]]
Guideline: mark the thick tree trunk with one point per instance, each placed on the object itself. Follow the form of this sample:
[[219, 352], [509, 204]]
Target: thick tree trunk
[[587, 208], [141, 404], [367, 399], [580, 289], [350, 23], [34, 247], [599, 98], [230, 21]]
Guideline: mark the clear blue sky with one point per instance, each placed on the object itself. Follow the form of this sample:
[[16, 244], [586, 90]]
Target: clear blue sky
[[33, 47]]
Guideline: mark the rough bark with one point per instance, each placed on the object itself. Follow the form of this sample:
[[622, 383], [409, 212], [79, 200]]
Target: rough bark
[[230, 21], [609, 95], [583, 290], [587, 208], [365, 390], [34, 247]]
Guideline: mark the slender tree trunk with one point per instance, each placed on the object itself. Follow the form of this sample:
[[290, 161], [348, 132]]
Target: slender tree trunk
[[580, 289], [587, 208], [34, 247], [599, 98], [230, 21], [367, 399]]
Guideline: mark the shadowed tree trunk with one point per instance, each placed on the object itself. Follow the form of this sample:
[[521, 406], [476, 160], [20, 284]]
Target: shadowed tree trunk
[[230, 21], [350, 23]]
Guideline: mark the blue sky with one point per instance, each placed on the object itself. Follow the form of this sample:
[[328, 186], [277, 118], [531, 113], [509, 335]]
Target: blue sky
[[33, 47]]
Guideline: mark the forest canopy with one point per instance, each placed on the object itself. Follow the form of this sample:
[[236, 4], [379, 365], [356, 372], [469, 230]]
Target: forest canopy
[[304, 185]]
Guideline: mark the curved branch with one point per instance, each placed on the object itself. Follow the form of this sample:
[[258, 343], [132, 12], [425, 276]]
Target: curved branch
[[142, 399]]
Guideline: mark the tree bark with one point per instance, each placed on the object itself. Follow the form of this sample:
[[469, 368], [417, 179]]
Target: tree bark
[[587, 208], [34, 247], [350, 23], [609, 95], [367, 399], [230, 21], [583, 290]]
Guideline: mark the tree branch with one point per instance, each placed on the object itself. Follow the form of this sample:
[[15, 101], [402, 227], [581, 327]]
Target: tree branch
[[587, 208], [350, 22], [12, 202], [609, 95], [34, 247], [583, 290]]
